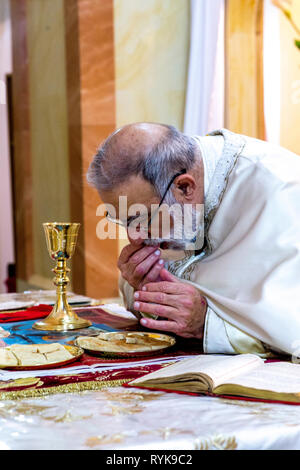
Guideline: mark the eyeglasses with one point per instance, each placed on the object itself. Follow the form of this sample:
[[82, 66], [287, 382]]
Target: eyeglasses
[[144, 221]]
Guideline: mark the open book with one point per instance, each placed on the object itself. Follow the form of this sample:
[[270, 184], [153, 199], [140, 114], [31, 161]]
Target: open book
[[244, 375]]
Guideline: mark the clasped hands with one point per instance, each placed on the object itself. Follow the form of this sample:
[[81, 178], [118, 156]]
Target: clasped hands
[[180, 306]]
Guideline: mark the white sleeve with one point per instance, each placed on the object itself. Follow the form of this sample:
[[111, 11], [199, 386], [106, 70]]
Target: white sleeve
[[215, 340], [220, 337]]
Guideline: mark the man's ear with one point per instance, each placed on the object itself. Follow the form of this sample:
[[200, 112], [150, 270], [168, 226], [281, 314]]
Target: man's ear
[[184, 188]]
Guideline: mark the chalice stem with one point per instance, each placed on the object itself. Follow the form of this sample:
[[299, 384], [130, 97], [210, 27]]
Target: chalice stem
[[61, 281]]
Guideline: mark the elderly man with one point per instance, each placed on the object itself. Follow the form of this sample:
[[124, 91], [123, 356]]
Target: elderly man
[[240, 290]]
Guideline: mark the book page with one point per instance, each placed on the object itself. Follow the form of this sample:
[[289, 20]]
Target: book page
[[279, 377], [216, 368]]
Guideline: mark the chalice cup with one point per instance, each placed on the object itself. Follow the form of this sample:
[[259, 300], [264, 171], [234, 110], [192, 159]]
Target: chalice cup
[[61, 241]]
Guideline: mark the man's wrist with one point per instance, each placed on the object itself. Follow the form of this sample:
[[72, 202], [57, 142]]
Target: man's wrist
[[204, 306]]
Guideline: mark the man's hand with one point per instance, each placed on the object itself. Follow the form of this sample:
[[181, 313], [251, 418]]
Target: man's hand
[[140, 264], [183, 307]]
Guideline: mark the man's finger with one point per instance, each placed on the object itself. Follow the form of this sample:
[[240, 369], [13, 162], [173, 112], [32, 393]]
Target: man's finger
[[160, 325], [140, 255], [153, 273], [164, 311], [157, 298], [127, 251], [143, 268], [167, 276], [162, 286]]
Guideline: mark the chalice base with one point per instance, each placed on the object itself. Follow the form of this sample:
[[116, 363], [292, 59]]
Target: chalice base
[[61, 321]]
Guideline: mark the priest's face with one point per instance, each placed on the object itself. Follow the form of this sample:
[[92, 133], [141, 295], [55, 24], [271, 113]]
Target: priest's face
[[136, 206]]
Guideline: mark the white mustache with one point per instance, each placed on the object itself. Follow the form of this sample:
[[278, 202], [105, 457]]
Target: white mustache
[[180, 236]]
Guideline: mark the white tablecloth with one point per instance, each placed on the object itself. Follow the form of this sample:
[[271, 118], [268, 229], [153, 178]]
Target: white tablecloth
[[121, 418]]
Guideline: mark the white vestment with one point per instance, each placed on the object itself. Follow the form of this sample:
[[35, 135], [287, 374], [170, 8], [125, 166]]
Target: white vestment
[[249, 269]]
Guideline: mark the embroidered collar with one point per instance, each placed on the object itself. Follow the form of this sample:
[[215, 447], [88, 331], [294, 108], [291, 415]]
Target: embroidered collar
[[233, 146]]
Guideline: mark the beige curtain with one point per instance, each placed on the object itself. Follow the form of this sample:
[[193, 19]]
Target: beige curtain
[[204, 110]]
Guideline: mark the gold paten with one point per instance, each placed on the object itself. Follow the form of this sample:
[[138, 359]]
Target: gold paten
[[111, 344], [61, 242], [74, 350]]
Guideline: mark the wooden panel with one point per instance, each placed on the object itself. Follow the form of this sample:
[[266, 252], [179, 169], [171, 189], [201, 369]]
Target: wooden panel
[[98, 120], [244, 67], [260, 123], [75, 137], [48, 122], [22, 162]]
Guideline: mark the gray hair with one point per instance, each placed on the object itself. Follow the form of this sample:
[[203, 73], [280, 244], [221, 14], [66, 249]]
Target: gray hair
[[174, 152]]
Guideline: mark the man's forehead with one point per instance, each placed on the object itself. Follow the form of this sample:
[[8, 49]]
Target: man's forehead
[[137, 191]]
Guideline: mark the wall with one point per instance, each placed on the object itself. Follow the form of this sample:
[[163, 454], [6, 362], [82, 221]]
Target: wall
[[6, 217], [98, 120], [290, 81], [64, 73], [151, 60], [48, 126], [250, 100], [244, 67]]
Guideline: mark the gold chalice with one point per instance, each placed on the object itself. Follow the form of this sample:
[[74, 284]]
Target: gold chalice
[[61, 242]]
